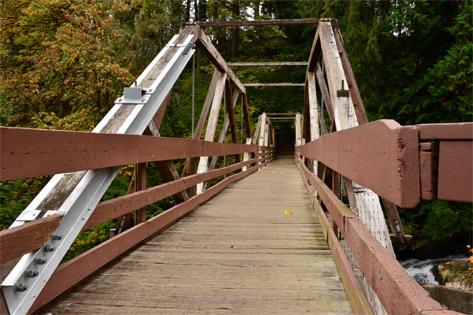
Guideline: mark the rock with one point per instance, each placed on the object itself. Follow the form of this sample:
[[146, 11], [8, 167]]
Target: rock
[[456, 274]]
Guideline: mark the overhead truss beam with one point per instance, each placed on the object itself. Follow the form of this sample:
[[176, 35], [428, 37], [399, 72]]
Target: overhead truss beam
[[275, 22]]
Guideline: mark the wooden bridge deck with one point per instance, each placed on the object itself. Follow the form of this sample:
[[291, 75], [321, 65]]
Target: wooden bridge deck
[[238, 253]]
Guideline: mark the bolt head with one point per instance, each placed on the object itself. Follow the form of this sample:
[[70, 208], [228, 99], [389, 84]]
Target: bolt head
[[21, 287]]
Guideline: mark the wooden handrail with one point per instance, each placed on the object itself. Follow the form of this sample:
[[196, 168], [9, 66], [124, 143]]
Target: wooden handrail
[[114, 208], [25, 238], [36, 152], [399, 293], [82, 266], [394, 161], [20, 240]]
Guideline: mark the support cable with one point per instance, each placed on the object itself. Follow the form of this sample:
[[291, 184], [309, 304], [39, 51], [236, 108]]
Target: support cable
[[193, 94], [241, 122]]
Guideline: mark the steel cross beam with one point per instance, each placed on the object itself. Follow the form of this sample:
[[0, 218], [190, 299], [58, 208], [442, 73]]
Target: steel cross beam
[[75, 195]]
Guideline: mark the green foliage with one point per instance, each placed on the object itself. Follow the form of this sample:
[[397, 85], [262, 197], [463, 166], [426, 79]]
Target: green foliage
[[88, 239], [15, 195], [438, 219], [65, 62], [60, 56]]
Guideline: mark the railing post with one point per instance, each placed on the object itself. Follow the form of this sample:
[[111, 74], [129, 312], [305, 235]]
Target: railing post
[[246, 155], [140, 184]]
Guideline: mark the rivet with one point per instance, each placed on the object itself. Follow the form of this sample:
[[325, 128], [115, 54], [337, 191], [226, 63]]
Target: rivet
[[48, 249], [31, 273], [21, 287], [39, 261]]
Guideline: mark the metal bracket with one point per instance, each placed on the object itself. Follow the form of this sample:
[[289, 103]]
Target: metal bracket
[[29, 276], [134, 96], [343, 92]]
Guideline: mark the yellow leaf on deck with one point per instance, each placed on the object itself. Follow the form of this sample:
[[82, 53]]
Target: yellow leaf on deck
[[287, 212]]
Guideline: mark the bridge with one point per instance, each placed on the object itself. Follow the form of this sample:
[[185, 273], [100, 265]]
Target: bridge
[[263, 233]]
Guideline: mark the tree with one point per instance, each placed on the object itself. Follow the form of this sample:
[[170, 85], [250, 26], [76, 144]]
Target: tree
[[61, 57]]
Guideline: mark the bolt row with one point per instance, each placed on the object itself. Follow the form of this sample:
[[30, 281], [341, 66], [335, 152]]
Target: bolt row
[[21, 287]]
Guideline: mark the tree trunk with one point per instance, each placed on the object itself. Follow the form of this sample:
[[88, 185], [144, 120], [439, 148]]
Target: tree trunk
[[188, 10], [235, 35], [202, 10]]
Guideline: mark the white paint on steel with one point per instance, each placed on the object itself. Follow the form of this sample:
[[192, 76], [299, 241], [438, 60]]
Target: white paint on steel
[[80, 203]]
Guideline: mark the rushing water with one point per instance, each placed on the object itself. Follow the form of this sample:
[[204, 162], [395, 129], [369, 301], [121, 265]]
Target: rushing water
[[424, 271]]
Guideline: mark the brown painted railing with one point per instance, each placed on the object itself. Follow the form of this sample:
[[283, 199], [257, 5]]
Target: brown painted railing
[[46, 152], [398, 292], [403, 164]]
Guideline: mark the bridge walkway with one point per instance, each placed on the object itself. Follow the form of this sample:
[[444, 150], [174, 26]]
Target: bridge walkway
[[256, 248]]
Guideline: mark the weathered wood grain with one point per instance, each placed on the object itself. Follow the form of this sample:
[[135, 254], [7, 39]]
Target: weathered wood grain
[[382, 156], [455, 171], [237, 254], [365, 202], [119, 206], [212, 53], [212, 123], [35, 152], [190, 165], [81, 267], [399, 292], [25, 238], [453, 131]]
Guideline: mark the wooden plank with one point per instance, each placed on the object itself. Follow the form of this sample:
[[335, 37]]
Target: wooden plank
[[212, 125], [306, 117], [453, 131], [110, 209], [385, 155], [315, 52], [337, 208], [207, 104], [82, 266], [278, 84], [324, 91], [283, 119], [299, 125], [246, 156], [355, 294], [226, 257], [455, 169], [158, 118], [268, 64], [399, 292], [165, 168], [350, 77], [169, 173], [365, 202], [428, 163], [190, 166], [17, 241], [226, 124], [212, 53], [140, 184], [246, 117], [394, 220], [261, 137], [255, 138], [37, 152], [281, 114], [239, 23], [231, 100], [313, 113]]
